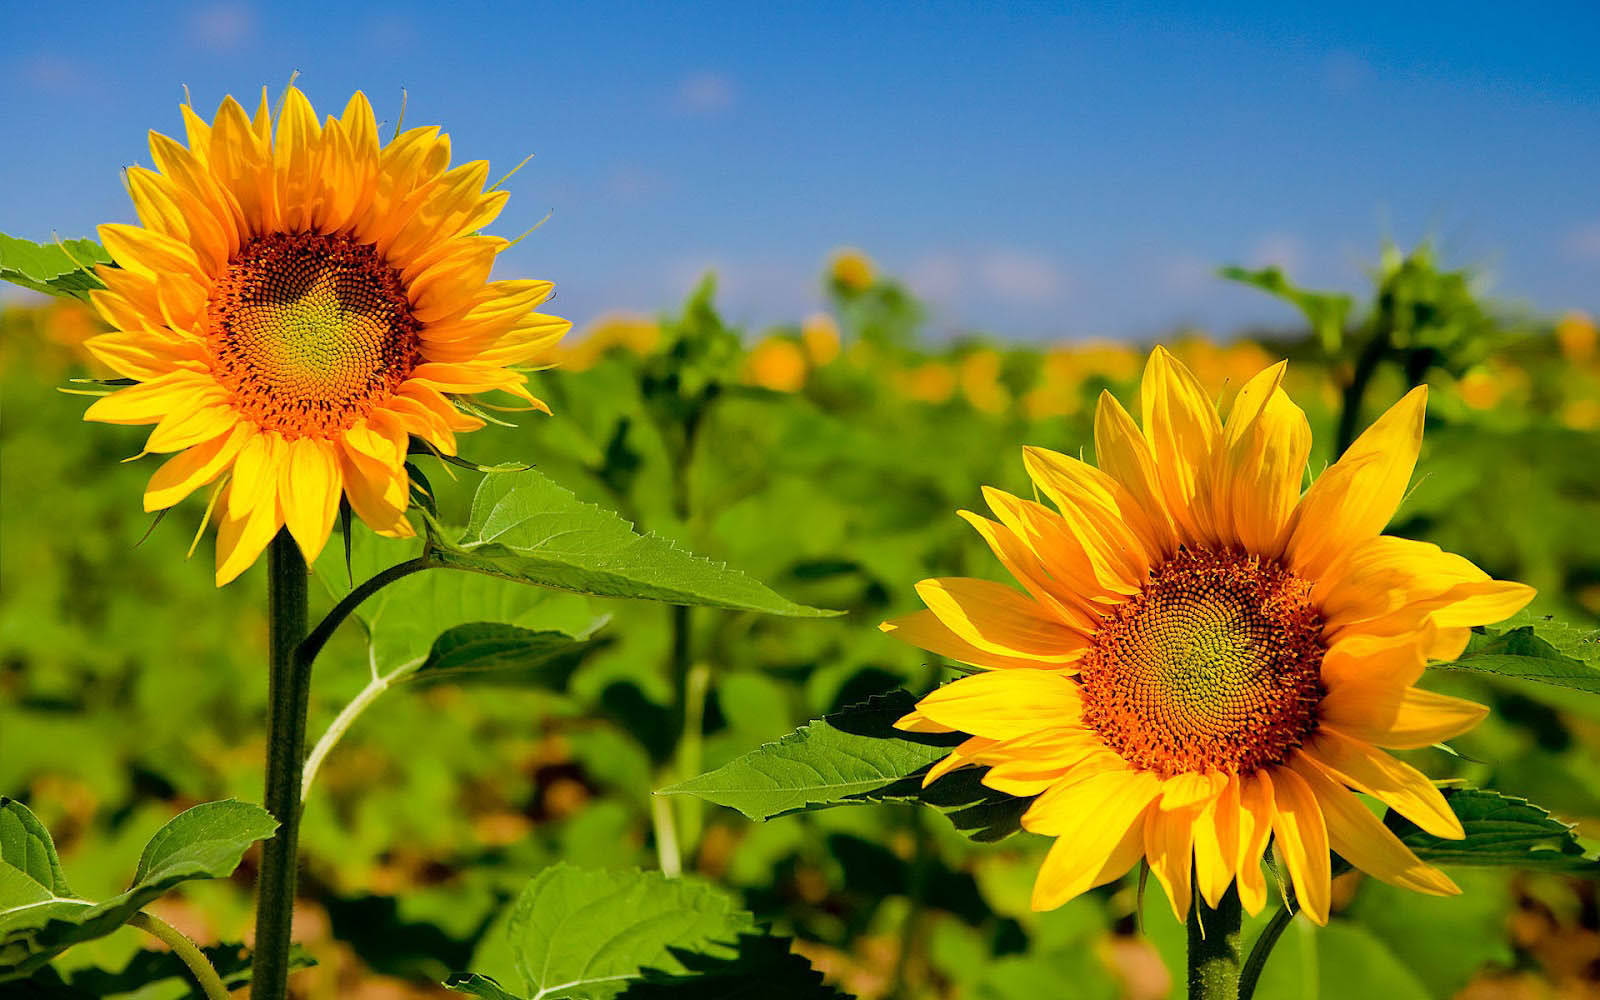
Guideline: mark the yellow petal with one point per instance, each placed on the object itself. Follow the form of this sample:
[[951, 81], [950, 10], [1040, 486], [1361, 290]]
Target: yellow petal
[[1256, 810], [1384, 574], [924, 630], [255, 474], [189, 470], [1265, 464], [148, 402], [310, 485], [1397, 785], [1395, 660], [1169, 849], [1182, 426], [999, 704], [1302, 842], [1404, 718], [1363, 840], [998, 619], [1357, 496], [242, 538], [1095, 509], [1021, 562], [1216, 842], [1082, 569], [1125, 455], [1098, 826]]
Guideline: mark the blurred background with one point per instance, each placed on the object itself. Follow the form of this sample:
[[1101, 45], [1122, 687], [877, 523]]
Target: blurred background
[[830, 267]]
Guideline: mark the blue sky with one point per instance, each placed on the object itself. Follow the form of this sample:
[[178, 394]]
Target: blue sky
[[1036, 171]]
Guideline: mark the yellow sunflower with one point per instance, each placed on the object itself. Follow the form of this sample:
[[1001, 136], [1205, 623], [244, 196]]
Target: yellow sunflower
[[300, 301], [1204, 657]]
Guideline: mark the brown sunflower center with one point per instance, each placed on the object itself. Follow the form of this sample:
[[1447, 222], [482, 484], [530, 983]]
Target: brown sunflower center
[[1214, 665], [309, 331]]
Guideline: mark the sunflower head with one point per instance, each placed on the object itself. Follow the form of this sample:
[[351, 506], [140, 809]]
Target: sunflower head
[[1202, 658], [299, 302]]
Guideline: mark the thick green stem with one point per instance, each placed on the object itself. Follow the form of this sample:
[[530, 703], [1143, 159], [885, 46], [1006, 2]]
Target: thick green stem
[[1214, 948], [289, 691], [187, 952], [1251, 973]]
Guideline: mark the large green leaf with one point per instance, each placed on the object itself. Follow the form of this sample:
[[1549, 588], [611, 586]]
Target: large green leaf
[[525, 527], [1501, 831], [63, 268], [853, 757], [39, 920], [1537, 648], [593, 935]]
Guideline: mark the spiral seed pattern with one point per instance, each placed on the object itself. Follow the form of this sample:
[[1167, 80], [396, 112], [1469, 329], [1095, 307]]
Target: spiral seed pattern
[[1215, 665], [308, 331]]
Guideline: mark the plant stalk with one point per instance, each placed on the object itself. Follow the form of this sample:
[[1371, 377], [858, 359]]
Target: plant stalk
[[187, 952], [289, 691], [1214, 948], [1251, 973]]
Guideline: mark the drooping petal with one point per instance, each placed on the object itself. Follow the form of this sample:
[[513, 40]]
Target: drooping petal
[[1363, 840], [1301, 836], [1216, 842], [1397, 785], [1256, 812], [1403, 718], [1098, 827], [1169, 849]]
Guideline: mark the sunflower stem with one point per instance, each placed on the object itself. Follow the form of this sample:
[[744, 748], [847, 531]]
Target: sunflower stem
[[1214, 948], [187, 952], [1251, 974], [289, 691]]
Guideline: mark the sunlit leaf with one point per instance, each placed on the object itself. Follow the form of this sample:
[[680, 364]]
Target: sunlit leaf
[[64, 268], [37, 922], [854, 757], [1536, 648], [595, 935], [1501, 830], [525, 527]]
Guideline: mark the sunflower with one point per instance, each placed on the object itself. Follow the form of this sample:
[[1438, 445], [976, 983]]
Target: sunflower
[[1205, 658], [300, 302]]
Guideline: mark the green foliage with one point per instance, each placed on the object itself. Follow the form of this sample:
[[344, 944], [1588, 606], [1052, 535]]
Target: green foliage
[[146, 969], [1501, 830], [1534, 647], [856, 757], [40, 917], [599, 934], [526, 528], [65, 267], [1326, 312]]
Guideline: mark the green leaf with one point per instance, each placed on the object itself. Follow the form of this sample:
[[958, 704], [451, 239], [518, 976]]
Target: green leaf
[[458, 624], [594, 935], [525, 527], [1537, 648], [1324, 311], [26, 846], [37, 922], [1501, 830], [853, 757], [63, 268], [482, 649]]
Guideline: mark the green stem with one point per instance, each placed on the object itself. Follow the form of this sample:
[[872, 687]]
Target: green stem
[[205, 975], [289, 691], [1251, 973], [312, 644], [1214, 948]]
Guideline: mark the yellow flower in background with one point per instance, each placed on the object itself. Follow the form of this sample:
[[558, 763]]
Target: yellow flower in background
[[1203, 657], [852, 269], [635, 333], [299, 302], [980, 381], [777, 363], [1578, 336], [820, 334], [929, 382]]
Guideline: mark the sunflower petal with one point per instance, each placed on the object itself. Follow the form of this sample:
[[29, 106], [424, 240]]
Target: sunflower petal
[[1397, 785], [999, 704], [1001, 620], [1302, 842], [1098, 827]]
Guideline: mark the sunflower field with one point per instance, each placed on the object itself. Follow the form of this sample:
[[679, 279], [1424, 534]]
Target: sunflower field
[[609, 700]]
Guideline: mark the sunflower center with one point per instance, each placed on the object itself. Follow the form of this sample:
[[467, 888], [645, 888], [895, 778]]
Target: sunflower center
[[1214, 665], [310, 331]]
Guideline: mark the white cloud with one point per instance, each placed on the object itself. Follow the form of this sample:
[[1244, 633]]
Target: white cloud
[[221, 26], [48, 71], [1583, 243], [704, 94], [1005, 275], [1280, 250], [1187, 274]]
